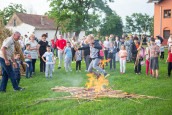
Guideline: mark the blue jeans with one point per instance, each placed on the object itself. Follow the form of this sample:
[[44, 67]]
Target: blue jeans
[[113, 60], [7, 72], [53, 49], [94, 64], [29, 69]]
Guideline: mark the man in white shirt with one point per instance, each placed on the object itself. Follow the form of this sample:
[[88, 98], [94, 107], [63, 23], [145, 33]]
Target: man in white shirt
[[6, 60], [106, 48]]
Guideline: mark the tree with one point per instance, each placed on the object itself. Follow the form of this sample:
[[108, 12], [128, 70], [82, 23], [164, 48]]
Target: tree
[[138, 23], [77, 13], [112, 24], [10, 10]]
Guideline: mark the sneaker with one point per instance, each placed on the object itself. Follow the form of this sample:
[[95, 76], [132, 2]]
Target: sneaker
[[121, 73], [79, 70], [70, 70], [33, 73], [76, 70], [59, 67], [106, 75], [53, 70], [19, 89], [157, 77], [66, 70]]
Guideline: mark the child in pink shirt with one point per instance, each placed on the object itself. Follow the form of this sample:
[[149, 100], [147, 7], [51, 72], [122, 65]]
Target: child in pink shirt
[[102, 55], [122, 56]]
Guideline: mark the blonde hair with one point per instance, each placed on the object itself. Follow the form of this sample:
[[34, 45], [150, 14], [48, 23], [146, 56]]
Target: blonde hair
[[123, 46], [32, 36]]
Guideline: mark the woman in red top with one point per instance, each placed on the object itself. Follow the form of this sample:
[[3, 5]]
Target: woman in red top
[[54, 42], [169, 59]]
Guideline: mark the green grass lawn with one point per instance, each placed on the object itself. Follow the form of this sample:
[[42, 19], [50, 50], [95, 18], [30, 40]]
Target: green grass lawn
[[39, 87]]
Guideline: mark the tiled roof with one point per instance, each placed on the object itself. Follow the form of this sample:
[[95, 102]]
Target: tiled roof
[[35, 20]]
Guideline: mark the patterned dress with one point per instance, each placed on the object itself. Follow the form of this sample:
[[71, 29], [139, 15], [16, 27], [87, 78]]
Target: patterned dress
[[128, 48]]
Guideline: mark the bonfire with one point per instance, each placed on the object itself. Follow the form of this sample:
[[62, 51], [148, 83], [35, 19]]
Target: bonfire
[[96, 88]]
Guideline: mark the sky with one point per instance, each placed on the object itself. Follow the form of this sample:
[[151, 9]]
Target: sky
[[122, 7]]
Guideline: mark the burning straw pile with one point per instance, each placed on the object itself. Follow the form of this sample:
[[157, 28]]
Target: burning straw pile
[[95, 89]]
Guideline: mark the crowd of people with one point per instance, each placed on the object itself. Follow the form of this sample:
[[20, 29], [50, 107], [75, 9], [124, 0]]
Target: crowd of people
[[89, 50]]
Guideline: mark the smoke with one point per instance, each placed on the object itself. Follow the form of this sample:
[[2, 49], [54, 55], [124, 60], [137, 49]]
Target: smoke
[[75, 81]]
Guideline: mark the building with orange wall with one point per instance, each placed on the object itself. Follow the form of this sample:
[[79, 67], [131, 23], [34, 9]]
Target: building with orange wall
[[162, 18]]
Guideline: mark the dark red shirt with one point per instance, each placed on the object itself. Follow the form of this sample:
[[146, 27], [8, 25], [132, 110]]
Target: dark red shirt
[[61, 43], [170, 56]]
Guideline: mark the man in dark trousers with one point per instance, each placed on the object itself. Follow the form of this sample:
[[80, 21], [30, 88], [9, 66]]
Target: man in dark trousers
[[7, 62]]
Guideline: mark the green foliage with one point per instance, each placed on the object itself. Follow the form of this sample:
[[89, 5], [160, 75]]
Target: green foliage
[[78, 14], [112, 24], [10, 10], [138, 23]]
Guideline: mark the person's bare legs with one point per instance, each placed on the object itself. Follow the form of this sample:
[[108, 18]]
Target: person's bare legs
[[157, 73]]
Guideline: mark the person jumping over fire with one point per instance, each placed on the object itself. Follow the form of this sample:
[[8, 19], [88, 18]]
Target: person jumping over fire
[[95, 48]]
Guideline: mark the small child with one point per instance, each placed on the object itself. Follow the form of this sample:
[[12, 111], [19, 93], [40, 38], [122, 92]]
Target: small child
[[153, 53], [68, 57], [161, 52], [112, 55], [28, 60], [54, 62], [78, 57], [147, 60], [169, 60], [17, 70], [122, 56], [102, 55], [49, 61]]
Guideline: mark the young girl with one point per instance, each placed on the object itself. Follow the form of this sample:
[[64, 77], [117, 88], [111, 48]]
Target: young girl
[[147, 60], [111, 55], [169, 60], [102, 55], [153, 53], [122, 56]]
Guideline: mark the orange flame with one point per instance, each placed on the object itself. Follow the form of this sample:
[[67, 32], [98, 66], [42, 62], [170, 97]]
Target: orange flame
[[97, 84], [102, 62]]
